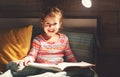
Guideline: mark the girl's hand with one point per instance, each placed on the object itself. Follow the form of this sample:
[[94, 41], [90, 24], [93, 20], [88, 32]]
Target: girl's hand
[[23, 62], [26, 61]]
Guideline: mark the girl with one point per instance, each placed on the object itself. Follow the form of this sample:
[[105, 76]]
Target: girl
[[51, 46]]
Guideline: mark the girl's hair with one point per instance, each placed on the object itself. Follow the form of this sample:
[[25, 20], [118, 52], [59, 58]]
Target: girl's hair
[[52, 12]]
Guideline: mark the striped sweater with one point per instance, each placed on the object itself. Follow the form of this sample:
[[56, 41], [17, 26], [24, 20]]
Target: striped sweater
[[45, 52]]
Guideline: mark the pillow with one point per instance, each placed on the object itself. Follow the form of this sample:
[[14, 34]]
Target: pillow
[[81, 45], [14, 44]]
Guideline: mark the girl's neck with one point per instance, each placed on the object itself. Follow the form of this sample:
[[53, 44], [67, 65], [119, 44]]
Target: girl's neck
[[51, 39]]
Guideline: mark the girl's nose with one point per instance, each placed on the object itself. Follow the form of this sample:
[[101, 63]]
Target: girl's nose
[[51, 25]]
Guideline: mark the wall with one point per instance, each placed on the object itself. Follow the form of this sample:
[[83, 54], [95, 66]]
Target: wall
[[107, 12]]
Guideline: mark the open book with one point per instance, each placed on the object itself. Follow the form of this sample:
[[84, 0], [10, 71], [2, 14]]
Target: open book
[[61, 66]]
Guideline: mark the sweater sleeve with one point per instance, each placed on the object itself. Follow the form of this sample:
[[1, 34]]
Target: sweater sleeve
[[33, 51], [68, 53]]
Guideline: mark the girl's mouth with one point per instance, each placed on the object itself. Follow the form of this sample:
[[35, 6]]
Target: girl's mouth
[[51, 30]]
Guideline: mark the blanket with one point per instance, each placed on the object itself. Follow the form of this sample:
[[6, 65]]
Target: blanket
[[51, 74]]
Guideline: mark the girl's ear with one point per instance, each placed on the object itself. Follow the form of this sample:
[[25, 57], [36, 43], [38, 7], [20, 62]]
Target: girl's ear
[[61, 26], [61, 23], [41, 22]]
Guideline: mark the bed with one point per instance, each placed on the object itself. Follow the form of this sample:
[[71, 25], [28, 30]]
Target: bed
[[16, 35]]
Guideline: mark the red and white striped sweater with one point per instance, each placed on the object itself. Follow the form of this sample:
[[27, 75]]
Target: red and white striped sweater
[[44, 52]]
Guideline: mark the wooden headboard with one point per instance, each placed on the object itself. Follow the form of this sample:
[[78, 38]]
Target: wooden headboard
[[81, 24], [72, 24]]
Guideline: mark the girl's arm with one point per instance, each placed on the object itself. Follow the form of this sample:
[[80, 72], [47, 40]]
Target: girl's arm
[[69, 54], [31, 57]]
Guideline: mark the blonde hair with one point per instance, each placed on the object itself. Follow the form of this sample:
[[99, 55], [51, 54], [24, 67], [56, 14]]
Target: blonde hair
[[53, 12]]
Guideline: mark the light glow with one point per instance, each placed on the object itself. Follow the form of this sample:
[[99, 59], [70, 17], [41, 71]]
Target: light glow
[[87, 3]]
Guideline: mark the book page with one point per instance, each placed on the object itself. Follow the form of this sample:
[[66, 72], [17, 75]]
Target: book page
[[78, 64], [60, 66], [45, 66]]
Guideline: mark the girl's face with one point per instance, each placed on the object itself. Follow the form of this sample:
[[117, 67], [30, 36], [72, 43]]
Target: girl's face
[[51, 25]]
